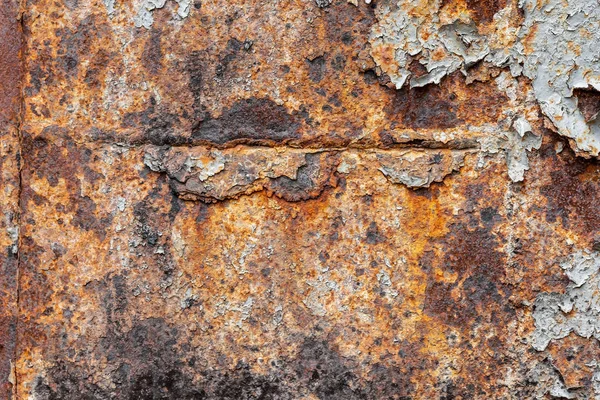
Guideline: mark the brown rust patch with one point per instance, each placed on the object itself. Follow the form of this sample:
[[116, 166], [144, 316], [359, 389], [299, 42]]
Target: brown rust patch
[[588, 101], [483, 11], [8, 328], [254, 121], [472, 256], [572, 193], [11, 71], [10, 62], [448, 105], [326, 282], [76, 44], [572, 359], [153, 54], [64, 163]]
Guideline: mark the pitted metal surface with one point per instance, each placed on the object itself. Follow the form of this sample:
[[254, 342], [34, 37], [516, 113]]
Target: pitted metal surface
[[299, 199]]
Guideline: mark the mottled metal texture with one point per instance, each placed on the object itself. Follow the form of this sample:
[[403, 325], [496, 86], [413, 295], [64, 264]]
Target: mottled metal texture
[[299, 200], [10, 102]]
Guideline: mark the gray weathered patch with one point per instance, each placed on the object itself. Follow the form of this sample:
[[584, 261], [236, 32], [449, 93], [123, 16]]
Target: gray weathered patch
[[438, 38], [560, 42], [419, 168], [144, 16], [548, 381], [557, 46], [577, 310], [203, 173]]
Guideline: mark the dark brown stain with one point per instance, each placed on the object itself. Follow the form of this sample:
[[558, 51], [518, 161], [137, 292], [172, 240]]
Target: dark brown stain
[[8, 336], [195, 69], [158, 126], [316, 68], [250, 121], [230, 54], [473, 255], [76, 42], [311, 179], [482, 11], [149, 364], [34, 292], [447, 105], [373, 235], [572, 196], [588, 101], [155, 360], [47, 160], [153, 54]]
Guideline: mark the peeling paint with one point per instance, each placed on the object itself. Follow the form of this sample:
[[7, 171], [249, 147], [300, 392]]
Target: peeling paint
[[201, 173], [438, 37], [144, 17], [420, 169], [556, 46], [561, 44], [519, 146], [577, 310], [110, 6]]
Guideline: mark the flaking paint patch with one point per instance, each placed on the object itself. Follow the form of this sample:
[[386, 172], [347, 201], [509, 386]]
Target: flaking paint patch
[[521, 141], [560, 42], [556, 46], [110, 6], [437, 37], [202, 173], [417, 169], [548, 381], [577, 310], [515, 142], [144, 17]]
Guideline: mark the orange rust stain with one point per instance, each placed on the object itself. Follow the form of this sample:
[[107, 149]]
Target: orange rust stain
[[10, 62]]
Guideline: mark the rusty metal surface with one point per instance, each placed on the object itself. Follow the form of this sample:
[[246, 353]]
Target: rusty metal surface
[[299, 200], [10, 76]]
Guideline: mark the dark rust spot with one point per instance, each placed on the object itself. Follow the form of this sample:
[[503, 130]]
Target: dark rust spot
[[573, 193], [482, 11], [254, 121], [153, 54], [316, 69], [311, 179], [447, 105], [84, 217], [229, 56], [196, 71], [473, 255], [427, 107], [588, 101], [78, 42], [159, 125], [374, 236]]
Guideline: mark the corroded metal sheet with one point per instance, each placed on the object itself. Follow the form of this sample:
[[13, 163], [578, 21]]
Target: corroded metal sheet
[[301, 200], [10, 75]]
